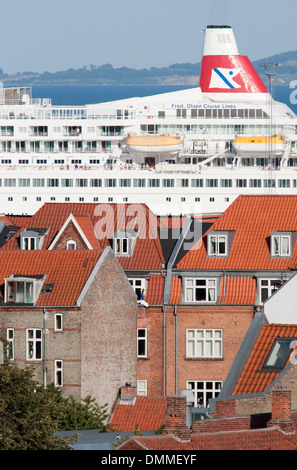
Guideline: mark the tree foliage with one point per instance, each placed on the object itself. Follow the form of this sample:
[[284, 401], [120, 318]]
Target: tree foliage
[[31, 415]]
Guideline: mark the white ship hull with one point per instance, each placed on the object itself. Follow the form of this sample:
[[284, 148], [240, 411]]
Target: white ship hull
[[79, 154]]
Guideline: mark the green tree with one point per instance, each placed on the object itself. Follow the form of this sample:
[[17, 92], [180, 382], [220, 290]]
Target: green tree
[[29, 417]]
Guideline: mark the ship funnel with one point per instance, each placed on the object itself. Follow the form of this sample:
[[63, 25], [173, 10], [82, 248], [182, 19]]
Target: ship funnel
[[223, 69], [219, 40]]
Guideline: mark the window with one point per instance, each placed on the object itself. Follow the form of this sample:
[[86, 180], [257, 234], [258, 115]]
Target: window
[[121, 246], [217, 244], [71, 245], [141, 342], [139, 287], [58, 322], [20, 291], [279, 353], [142, 387], [268, 287], [204, 391], [200, 290], [10, 343], [58, 373], [204, 344], [34, 344], [29, 243], [52, 182], [280, 244]]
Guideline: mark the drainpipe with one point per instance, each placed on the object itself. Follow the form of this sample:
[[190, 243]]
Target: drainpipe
[[164, 353], [44, 348], [175, 314], [224, 280]]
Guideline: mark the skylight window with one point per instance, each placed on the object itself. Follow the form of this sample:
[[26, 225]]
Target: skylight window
[[280, 352]]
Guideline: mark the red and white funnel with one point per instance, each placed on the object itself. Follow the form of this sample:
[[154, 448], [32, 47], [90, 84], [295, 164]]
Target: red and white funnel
[[223, 70]]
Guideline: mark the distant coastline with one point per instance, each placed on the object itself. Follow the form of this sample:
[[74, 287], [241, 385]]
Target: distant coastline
[[174, 75]]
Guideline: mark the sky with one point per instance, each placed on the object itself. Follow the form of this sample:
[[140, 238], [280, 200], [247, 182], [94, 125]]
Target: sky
[[53, 35]]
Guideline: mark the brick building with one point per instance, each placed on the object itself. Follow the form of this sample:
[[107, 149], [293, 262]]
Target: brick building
[[199, 280], [59, 314]]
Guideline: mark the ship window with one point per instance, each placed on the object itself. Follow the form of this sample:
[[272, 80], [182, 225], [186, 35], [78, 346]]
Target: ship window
[[81, 182], [52, 182], [197, 183], [139, 183]]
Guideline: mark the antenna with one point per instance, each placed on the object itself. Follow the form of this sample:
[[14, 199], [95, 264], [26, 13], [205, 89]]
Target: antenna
[[270, 71]]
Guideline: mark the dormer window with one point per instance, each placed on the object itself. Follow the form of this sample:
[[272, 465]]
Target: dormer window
[[22, 290], [200, 290], [217, 244], [123, 243], [31, 240], [281, 244], [121, 246]]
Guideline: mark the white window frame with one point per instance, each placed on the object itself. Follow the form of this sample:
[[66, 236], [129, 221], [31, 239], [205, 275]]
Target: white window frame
[[204, 390], [58, 373], [193, 285], [142, 339], [139, 286], [204, 343], [142, 388], [29, 243], [71, 243], [269, 285], [10, 345], [12, 286], [278, 246], [214, 244], [121, 246], [33, 344], [58, 326]]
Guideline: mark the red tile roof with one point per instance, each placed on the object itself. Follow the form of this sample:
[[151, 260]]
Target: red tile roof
[[253, 379], [67, 270], [252, 218], [237, 290], [106, 219], [264, 439], [176, 290], [147, 412], [234, 290], [155, 290]]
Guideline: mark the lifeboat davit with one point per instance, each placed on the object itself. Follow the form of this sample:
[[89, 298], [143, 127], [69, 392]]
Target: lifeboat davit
[[259, 145], [153, 144]]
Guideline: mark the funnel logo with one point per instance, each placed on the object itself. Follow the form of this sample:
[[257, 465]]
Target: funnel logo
[[223, 78]]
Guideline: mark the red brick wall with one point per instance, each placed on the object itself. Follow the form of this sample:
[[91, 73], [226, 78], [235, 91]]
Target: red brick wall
[[70, 233], [233, 320]]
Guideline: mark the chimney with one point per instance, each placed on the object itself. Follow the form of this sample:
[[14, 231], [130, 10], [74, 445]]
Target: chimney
[[176, 418], [127, 393], [281, 415]]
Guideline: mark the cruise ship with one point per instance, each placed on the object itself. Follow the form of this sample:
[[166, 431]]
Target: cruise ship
[[189, 151]]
